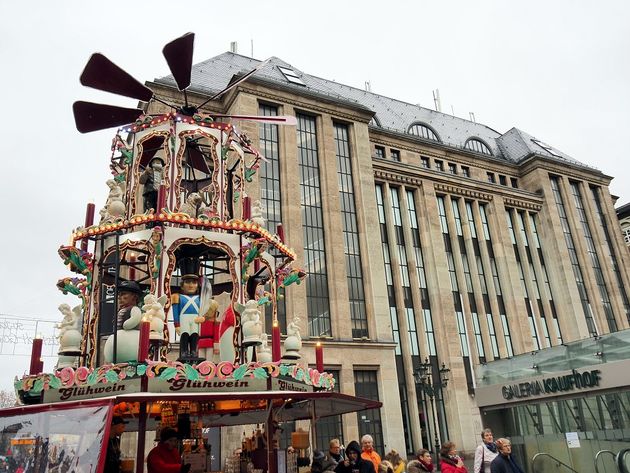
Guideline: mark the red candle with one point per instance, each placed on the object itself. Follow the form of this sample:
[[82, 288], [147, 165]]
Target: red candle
[[161, 203], [89, 221], [280, 232], [36, 354], [143, 345], [132, 267], [319, 357], [275, 342], [247, 208]]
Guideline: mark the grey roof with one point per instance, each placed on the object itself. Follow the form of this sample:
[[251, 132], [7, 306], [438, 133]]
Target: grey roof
[[623, 211], [214, 74]]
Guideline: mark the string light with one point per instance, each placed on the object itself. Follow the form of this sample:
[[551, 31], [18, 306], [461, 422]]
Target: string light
[[238, 225]]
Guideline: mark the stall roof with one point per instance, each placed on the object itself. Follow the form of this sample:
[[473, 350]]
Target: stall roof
[[292, 405]]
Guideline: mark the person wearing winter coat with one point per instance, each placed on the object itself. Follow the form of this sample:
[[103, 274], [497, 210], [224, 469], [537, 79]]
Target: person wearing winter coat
[[165, 458], [450, 462], [504, 462], [321, 463], [485, 453], [423, 463], [368, 452], [353, 463], [394, 458]]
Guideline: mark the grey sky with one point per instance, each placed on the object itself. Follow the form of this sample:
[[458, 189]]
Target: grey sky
[[557, 70]]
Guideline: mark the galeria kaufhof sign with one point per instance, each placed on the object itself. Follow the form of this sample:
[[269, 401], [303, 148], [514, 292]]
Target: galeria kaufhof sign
[[553, 385], [581, 381]]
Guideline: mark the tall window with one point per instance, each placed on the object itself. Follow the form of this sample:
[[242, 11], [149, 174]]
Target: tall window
[[369, 422], [592, 252], [404, 272], [468, 279], [541, 258], [424, 293], [612, 254], [457, 298], [317, 300], [520, 220], [354, 272], [393, 311], [389, 278], [270, 193], [519, 265], [482, 282], [507, 337], [575, 263], [330, 427]]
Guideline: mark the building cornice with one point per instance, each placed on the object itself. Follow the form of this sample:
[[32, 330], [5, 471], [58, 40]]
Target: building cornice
[[465, 187], [392, 176], [463, 191], [300, 104], [535, 161]]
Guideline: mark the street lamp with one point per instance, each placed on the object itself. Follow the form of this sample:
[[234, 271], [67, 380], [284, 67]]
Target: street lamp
[[430, 386]]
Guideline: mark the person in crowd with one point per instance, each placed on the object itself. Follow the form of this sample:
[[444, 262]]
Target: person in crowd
[[504, 461], [450, 462], [423, 463], [353, 463], [385, 467], [394, 458], [112, 457], [334, 450], [368, 453], [165, 458], [322, 463], [485, 453]]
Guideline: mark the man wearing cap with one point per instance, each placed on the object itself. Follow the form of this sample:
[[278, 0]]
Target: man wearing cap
[[152, 178], [129, 293], [165, 458], [112, 458]]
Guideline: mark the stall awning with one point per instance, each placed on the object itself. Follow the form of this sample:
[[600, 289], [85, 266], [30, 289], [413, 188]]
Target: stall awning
[[287, 405]]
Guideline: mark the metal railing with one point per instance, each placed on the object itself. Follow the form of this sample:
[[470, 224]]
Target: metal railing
[[558, 462], [597, 458]]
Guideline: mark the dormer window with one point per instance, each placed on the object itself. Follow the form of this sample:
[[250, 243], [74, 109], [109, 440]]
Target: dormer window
[[477, 146], [423, 131], [291, 75]]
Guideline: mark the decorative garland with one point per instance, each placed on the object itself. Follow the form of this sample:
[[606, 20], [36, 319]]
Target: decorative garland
[[182, 218], [167, 370]]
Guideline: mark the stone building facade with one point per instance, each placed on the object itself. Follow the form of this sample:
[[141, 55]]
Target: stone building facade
[[426, 237]]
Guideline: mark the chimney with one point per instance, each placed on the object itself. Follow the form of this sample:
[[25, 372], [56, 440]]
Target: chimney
[[234, 47], [436, 100]]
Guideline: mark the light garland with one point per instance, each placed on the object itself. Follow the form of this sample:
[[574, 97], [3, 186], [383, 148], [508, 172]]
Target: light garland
[[202, 120], [237, 225]]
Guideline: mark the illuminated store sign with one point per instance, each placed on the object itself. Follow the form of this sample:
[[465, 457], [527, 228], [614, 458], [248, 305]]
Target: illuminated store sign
[[553, 385]]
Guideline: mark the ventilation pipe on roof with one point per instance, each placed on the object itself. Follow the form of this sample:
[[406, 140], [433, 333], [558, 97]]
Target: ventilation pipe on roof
[[234, 47], [472, 117], [436, 99], [368, 86]]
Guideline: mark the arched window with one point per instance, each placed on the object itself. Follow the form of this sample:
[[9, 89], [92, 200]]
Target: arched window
[[374, 121], [478, 146], [423, 131]]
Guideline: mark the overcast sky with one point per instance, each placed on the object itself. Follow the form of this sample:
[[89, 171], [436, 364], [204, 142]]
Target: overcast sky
[[558, 70]]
